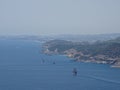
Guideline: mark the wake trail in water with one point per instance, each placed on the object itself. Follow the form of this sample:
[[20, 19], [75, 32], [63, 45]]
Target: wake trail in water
[[101, 79]]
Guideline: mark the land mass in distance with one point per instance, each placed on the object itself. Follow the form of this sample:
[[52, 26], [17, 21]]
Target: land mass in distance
[[104, 52]]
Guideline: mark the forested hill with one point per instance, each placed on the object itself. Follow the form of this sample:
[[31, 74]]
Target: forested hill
[[98, 52]]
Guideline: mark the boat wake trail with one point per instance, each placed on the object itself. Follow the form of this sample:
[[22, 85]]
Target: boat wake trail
[[101, 79]]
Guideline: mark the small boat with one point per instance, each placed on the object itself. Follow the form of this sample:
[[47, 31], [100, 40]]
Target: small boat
[[74, 72]]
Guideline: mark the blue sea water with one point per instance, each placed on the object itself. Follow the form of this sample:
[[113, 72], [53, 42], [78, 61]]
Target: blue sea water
[[22, 68]]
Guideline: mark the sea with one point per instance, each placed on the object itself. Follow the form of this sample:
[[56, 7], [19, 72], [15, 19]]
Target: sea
[[23, 66]]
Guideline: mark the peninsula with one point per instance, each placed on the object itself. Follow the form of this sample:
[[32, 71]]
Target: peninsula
[[104, 52]]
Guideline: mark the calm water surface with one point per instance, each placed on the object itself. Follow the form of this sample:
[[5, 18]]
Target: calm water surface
[[22, 68]]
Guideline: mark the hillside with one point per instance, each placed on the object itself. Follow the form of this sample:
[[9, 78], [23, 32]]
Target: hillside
[[97, 52]]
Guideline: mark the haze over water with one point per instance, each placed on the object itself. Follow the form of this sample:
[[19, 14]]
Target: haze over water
[[21, 68]]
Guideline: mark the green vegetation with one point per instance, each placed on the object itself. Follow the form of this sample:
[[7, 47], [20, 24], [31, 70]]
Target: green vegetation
[[99, 51], [110, 48]]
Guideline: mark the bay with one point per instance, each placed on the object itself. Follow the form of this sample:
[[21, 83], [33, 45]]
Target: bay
[[24, 67]]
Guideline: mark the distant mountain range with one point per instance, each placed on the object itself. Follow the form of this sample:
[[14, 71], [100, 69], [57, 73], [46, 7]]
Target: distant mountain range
[[74, 38], [90, 38]]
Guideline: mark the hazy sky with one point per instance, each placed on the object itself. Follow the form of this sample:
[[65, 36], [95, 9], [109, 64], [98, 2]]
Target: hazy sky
[[59, 16]]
